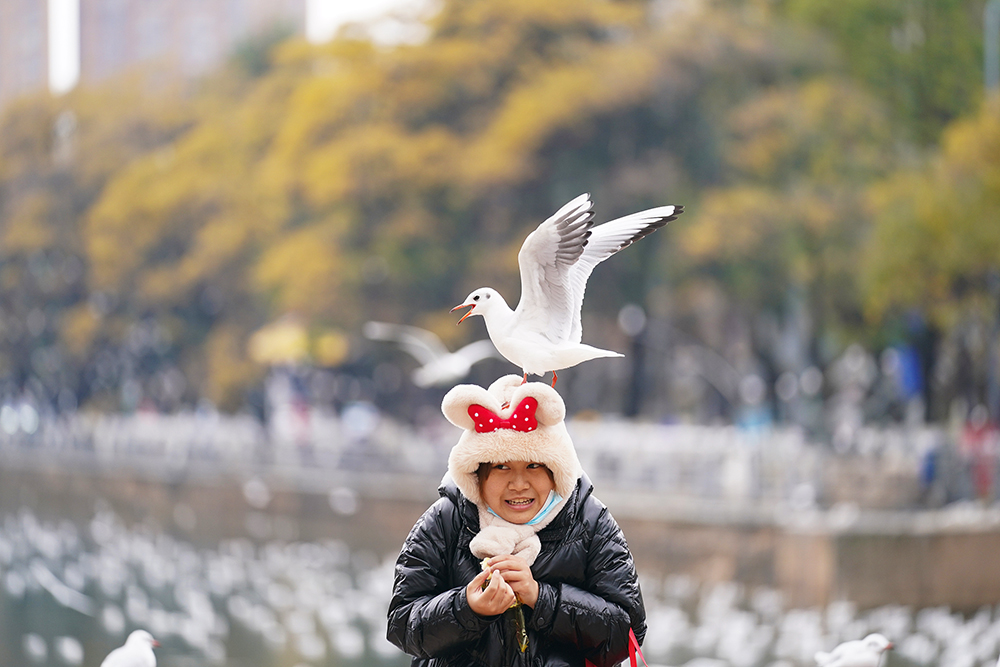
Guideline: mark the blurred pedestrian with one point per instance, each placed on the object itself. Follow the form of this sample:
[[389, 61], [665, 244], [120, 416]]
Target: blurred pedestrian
[[979, 444]]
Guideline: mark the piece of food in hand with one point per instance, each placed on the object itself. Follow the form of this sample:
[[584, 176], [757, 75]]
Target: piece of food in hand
[[485, 563]]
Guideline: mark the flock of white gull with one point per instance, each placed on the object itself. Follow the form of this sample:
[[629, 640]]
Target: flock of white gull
[[307, 604]]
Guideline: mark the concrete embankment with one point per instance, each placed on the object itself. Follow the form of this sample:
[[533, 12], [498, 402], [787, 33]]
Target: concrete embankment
[[870, 557], [942, 557]]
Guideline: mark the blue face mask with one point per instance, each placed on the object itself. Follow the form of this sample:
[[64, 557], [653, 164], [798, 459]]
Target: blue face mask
[[551, 501]]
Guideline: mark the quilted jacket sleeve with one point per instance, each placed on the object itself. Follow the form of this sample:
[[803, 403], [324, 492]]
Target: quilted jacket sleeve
[[427, 617], [597, 617]]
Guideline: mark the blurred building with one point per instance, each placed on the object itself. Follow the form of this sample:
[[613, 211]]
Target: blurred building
[[23, 48], [186, 37], [189, 36]]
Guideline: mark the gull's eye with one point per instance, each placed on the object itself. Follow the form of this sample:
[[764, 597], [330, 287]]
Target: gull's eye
[[475, 298]]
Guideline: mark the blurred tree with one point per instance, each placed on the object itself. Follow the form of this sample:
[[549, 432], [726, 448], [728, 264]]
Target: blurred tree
[[936, 242], [934, 251], [55, 157], [352, 181], [799, 157], [923, 58], [346, 182]]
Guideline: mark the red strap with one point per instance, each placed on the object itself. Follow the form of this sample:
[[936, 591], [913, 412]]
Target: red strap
[[633, 650]]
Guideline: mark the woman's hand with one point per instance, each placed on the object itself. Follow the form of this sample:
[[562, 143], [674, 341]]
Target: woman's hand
[[517, 573], [492, 600]]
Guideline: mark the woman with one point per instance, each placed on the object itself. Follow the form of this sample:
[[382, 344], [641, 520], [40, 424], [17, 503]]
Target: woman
[[517, 563]]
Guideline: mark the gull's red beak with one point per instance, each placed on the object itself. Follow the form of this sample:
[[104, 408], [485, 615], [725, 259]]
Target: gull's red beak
[[890, 646], [470, 306], [156, 644]]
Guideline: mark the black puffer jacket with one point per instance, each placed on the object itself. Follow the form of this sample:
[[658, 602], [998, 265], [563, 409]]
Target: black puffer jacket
[[588, 593]]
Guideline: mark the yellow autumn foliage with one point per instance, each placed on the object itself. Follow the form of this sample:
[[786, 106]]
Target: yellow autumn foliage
[[936, 237], [350, 179]]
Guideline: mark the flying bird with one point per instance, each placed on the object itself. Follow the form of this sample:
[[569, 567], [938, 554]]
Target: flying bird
[[865, 652], [544, 332], [438, 365], [137, 652]]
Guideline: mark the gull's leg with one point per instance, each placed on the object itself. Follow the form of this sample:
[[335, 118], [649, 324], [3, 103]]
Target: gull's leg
[[525, 380], [554, 378]]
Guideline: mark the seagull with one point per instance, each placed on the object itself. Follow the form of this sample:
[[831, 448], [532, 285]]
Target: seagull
[[439, 366], [544, 332], [865, 652], [137, 652]]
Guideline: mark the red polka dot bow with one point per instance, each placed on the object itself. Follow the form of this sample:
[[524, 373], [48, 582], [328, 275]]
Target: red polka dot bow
[[522, 419]]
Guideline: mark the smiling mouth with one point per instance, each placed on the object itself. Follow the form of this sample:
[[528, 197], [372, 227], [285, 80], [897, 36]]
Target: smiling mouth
[[520, 503]]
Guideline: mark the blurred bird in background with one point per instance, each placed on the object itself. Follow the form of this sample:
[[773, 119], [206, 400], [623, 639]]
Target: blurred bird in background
[[439, 366], [865, 652]]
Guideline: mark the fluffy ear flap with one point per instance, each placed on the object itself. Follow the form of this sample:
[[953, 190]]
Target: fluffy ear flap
[[551, 409], [455, 405]]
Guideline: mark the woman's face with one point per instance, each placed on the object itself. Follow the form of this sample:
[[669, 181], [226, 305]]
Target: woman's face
[[516, 490]]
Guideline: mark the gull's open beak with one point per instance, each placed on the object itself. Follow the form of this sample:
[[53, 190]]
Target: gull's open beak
[[470, 306]]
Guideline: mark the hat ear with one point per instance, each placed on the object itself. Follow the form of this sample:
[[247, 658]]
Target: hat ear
[[551, 409], [455, 405], [504, 388]]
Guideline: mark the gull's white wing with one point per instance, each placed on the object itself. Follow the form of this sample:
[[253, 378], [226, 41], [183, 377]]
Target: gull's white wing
[[128, 657], [115, 658], [860, 658], [605, 240], [422, 345], [546, 259], [63, 594], [477, 351], [846, 648], [839, 652], [454, 366]]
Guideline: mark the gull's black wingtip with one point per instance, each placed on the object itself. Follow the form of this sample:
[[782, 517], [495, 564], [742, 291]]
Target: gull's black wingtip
[[673, 216]]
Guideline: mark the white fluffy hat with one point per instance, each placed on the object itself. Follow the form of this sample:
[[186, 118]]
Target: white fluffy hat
[[530, 428]]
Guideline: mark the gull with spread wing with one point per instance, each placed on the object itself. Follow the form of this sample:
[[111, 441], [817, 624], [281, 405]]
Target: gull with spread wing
[[544, 332], [439, 366]]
